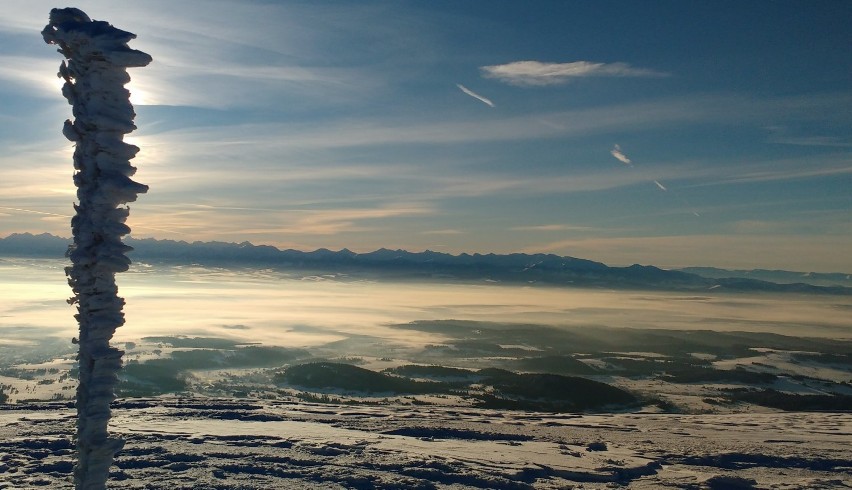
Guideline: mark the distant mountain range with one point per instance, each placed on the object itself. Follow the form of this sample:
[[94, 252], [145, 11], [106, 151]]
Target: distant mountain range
[[778, 276], [545, 269]]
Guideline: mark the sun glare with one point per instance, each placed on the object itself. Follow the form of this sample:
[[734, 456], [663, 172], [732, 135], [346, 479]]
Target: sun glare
[[137, 95]]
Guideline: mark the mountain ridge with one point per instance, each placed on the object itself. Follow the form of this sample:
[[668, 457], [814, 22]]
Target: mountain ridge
[[545, 269]]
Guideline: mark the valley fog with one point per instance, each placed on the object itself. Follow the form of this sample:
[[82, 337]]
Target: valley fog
[[297, 309]]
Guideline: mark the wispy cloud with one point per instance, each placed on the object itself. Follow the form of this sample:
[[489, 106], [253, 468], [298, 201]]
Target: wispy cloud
[[645, 115], [783, 135], [326, 222], [832, 141], [779, 170], [756, 226], [33, 211], [247, 67], [269, 225], [619, 155], [35, 76], [537, 73], [661, 186], [475, 95], [551, 227], [322, 156], [323, 166], [238, 83]]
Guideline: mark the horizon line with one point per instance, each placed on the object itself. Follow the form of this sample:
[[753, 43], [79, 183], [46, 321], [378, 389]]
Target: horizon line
[[460, 254]]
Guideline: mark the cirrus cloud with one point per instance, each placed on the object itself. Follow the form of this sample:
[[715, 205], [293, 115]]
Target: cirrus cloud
[[537, 73]]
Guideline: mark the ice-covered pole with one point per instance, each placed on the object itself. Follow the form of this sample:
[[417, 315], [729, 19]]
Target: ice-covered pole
[[95, 74]]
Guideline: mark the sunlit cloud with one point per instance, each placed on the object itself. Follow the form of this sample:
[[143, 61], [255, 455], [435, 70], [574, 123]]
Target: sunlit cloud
[[32, 175], [333, 221], [269, 226], [475, 95], [619, 155], [442, 232], [537, 73]]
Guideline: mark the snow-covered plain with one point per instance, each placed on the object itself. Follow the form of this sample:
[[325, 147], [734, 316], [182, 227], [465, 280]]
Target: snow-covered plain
[[184, 443]]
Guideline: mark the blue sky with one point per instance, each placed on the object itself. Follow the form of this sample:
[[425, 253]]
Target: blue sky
[[476, 126]]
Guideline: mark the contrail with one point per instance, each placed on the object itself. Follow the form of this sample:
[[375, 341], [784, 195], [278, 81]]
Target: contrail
[[475, 95], [621, 157]]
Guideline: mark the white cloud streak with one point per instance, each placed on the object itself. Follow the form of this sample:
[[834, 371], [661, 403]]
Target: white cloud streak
[[475, 95], [661, 186], [537, 73]]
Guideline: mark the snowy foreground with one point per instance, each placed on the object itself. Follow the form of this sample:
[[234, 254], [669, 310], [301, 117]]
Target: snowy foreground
[[238, 444]]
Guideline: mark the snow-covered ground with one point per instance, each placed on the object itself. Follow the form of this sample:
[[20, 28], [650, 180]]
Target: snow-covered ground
[[183, 443], [222, 338]]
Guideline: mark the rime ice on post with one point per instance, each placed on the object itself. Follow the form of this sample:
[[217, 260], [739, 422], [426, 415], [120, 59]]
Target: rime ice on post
[[95, 75]]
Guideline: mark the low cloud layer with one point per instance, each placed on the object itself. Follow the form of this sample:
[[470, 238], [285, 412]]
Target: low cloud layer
[[536, 73]]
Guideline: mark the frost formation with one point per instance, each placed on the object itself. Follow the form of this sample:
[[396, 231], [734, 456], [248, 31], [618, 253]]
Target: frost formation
[[95, 74]]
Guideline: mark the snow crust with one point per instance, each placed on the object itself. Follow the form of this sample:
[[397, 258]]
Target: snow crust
[[221, 443], [95, 74]]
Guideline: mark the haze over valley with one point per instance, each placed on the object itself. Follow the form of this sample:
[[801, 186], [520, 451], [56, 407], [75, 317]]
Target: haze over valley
[[312, 362]]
